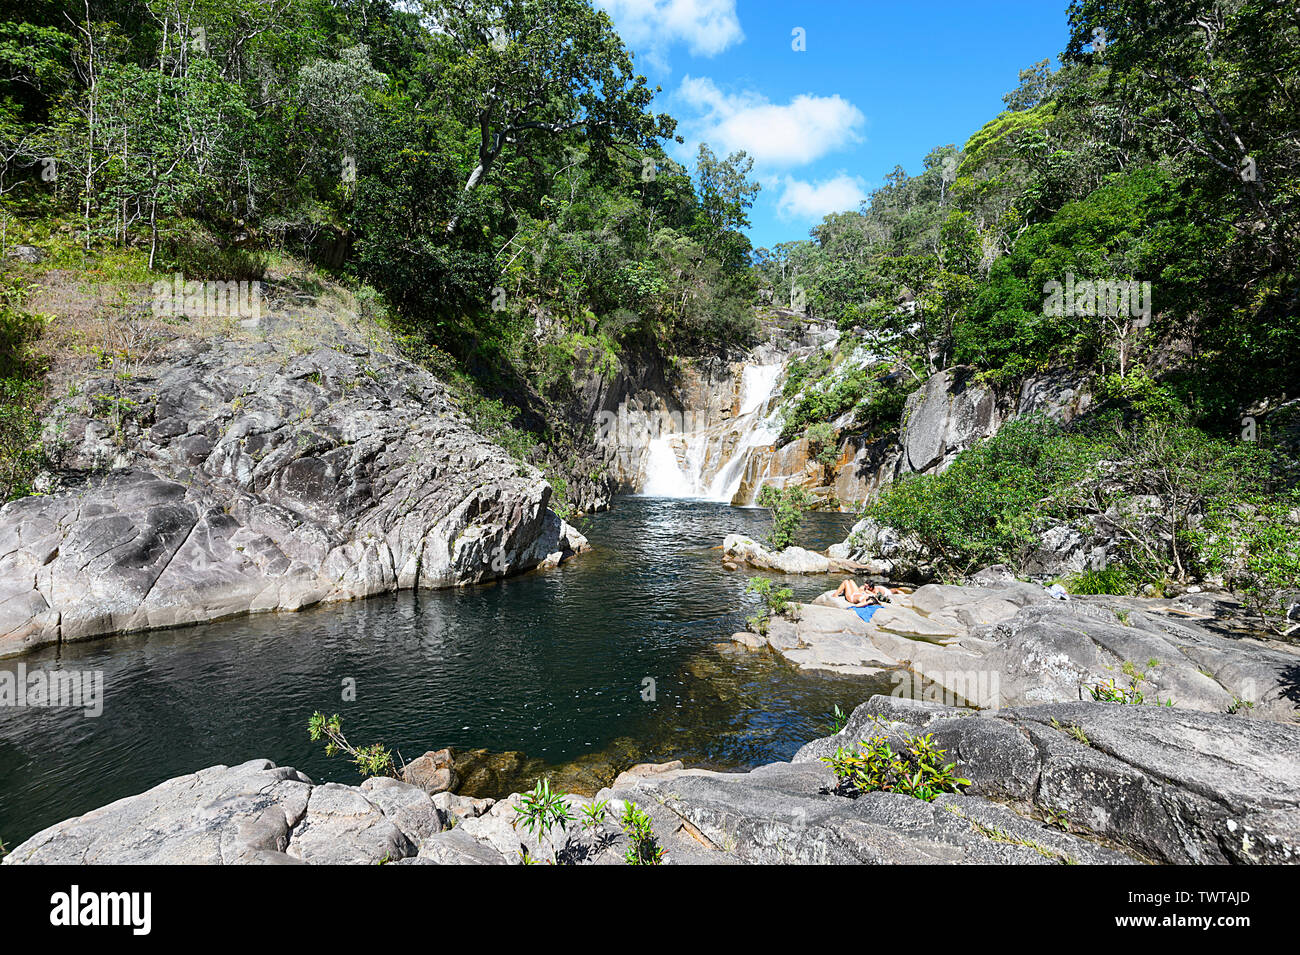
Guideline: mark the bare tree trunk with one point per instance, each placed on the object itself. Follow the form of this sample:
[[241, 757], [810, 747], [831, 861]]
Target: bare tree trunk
[[471, 184], [90, 131]]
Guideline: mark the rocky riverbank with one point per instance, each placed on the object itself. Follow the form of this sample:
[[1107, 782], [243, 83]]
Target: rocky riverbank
[[738, 550], [1055, 783], [271, 465], [1011, 643]]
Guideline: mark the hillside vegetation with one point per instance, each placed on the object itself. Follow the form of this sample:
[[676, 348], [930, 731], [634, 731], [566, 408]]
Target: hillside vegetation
[[505, 198], [504, 204], [1131, 219]]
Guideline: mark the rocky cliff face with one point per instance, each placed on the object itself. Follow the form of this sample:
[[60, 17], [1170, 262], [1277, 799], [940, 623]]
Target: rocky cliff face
[[710, 427], [702, 427], [269, 468]]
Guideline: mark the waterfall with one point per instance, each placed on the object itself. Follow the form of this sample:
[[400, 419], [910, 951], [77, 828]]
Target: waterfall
[[756, 384], [704, 469], [663, 475]]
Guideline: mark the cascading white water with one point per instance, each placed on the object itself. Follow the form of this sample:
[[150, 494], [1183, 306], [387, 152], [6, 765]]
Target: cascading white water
[[751, 428], [663, 476], [756, 384]]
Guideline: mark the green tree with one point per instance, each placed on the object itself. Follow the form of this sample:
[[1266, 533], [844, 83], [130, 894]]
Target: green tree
[[520, 90], [787, 505], [726, 195]]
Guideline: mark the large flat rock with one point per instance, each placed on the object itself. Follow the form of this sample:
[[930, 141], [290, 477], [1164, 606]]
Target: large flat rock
[[1010, 644]]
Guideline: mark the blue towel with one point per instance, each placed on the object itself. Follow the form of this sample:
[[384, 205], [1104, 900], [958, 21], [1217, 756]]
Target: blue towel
[[866, 613]]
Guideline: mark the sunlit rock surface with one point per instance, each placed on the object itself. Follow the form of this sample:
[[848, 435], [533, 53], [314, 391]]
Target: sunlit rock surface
[[1050, 784], [243, 474]]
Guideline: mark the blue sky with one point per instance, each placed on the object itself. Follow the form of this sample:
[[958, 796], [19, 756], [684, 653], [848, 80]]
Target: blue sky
[[878, 85]]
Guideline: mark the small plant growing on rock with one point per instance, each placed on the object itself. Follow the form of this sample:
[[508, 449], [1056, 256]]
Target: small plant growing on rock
[[836, 719], [787, 505], [1111, 692], [775, 603], [822, 445], [1057, 818], [542, 811], [593, 813], [644, 848], [372, 760], [1114, 580], [1074, 730], [918, 770]]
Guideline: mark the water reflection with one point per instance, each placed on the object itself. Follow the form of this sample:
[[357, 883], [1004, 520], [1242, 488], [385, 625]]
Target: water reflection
[[550, 665]]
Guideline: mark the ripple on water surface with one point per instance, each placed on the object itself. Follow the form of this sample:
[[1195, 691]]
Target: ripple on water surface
[[549, 664]]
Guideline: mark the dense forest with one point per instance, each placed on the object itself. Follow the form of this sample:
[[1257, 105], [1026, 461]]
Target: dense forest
[[1132, 215], [1164, 149], [507, 197]]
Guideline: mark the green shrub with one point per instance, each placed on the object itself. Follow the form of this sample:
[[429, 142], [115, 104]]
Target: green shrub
[[1114, 580], [21, 391], [787, 505], [1139, 392], [876, 403], [593, 813], [644, 848], [1187, 474], [541, 811], [372, 760], [200, 260], [836, 720], [801, 373], [1131, 695], [1152, 479], [823, 443], [20, 425], [917, 770], [775, 603], [1252, 542], [983, 508]]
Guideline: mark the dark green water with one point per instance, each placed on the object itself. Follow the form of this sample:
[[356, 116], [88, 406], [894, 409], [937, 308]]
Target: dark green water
[[550, 664]]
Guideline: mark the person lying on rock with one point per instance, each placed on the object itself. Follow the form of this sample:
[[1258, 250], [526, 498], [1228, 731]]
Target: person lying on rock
[[863, 596]]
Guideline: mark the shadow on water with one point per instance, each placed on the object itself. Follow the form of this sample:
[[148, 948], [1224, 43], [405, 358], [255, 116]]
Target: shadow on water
[[549, 666]]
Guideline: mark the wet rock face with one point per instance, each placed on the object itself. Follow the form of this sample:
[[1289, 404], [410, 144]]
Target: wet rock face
[[241, 476]]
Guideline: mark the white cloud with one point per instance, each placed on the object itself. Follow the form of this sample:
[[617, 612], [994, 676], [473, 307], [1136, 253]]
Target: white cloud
[[816, 200], [706, 27], [799, 132]]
